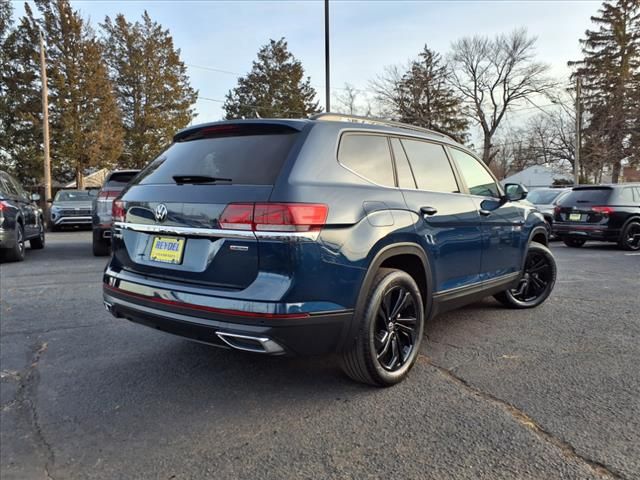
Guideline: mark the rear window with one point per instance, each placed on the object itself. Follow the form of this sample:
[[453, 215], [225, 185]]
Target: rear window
[[120, 179], [244, 159], [543, 197], [587, 195], [73, 196]]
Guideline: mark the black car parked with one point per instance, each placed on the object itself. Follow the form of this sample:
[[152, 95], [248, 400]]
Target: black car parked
[[101, 209], [20, 220], [609, 213]]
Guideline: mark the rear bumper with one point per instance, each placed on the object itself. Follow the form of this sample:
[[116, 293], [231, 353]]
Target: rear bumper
[[273, 328], [588, 232]]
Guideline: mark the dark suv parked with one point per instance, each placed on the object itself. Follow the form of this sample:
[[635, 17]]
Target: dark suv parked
[[320, 235], [101, 209], [609, 213], [20, 220]]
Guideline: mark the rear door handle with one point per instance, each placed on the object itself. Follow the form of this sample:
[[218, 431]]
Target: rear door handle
[[428, 211], [484, 213]]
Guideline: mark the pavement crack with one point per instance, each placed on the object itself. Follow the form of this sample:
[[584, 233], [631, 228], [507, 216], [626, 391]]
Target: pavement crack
[[526, 421], [25, 396]]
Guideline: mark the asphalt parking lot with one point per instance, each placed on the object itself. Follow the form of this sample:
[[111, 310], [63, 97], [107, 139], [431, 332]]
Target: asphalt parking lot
[[547, 393]]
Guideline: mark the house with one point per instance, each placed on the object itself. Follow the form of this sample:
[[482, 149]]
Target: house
[[630, 174], [93, 180], [537, 176]]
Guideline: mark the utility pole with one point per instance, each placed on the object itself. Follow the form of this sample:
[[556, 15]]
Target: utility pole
[[576, 164], [45, 127], [327, 80]]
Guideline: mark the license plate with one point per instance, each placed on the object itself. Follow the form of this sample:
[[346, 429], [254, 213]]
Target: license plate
[[575, 217], [167, 250]]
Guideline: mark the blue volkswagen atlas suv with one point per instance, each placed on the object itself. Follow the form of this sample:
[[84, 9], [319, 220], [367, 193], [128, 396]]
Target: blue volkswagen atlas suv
[[329, 234]]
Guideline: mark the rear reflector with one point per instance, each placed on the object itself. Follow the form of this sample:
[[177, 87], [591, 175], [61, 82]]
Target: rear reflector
[[274, 217], [118, 211]]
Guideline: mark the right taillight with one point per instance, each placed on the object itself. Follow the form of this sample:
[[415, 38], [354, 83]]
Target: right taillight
[[605, 211], [118, 211], [274, 217]]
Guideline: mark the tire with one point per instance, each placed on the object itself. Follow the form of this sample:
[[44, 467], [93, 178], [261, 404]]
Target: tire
[[38, 242], [385, 348], [537, 282], [100, 246], [573, 242], [17, 252], [629, 239]]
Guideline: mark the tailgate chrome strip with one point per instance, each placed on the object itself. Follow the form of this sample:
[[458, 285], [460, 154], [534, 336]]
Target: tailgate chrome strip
[[186, 231], [214, 232]]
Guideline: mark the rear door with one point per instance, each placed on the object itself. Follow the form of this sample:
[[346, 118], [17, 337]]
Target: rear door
[[502, 222], [448, 224], [172, 225]]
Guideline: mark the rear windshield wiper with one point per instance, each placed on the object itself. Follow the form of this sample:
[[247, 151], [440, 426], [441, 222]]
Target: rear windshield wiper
[[182, 179]]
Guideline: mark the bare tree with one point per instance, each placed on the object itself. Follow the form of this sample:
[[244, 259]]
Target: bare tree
[[346, 101], [421, 94], [493, 75]]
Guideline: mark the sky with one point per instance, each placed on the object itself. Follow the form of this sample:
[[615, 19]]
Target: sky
[[220, 39]]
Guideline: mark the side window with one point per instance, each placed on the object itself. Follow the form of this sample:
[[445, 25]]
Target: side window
[[405, 176], [8, 186], [18, 188], [430, 166], [626, 195], [478, 179], [369, 156]]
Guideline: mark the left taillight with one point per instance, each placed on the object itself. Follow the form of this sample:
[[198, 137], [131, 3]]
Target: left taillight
[[118, 211]]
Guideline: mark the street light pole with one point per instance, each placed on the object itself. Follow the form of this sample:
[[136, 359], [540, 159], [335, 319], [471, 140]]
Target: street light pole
[[326, 58], [45, 125], [576, 164]]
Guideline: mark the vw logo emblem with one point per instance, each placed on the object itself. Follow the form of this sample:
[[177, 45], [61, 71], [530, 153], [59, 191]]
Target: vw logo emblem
[[161, 213]]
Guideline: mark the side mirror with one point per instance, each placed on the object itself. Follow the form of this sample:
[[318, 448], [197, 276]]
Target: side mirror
[[35, 197], [515, 192], [49, 200]]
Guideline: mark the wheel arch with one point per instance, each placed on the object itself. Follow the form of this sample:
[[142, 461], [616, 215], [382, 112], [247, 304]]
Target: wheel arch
[[538, 234], [398, 256]]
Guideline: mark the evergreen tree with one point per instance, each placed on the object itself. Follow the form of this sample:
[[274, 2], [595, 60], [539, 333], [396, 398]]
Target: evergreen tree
[[20, 97], [423, 96], [152, 86], [610, 74], [85, 120], [275, 87]]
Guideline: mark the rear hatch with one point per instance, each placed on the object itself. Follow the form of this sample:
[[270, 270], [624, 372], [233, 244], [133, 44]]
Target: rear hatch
[[172, 209], [110, 190], [584, 205]]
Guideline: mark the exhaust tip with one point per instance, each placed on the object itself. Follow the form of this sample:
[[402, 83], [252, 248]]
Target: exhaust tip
[[249, 343]]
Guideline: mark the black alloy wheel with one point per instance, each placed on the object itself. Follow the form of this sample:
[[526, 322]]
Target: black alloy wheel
[[537, 280], [390, 326], [630, 239], [395, 328]]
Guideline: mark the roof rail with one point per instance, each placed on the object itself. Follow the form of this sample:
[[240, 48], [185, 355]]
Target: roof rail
[[342, 117]]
